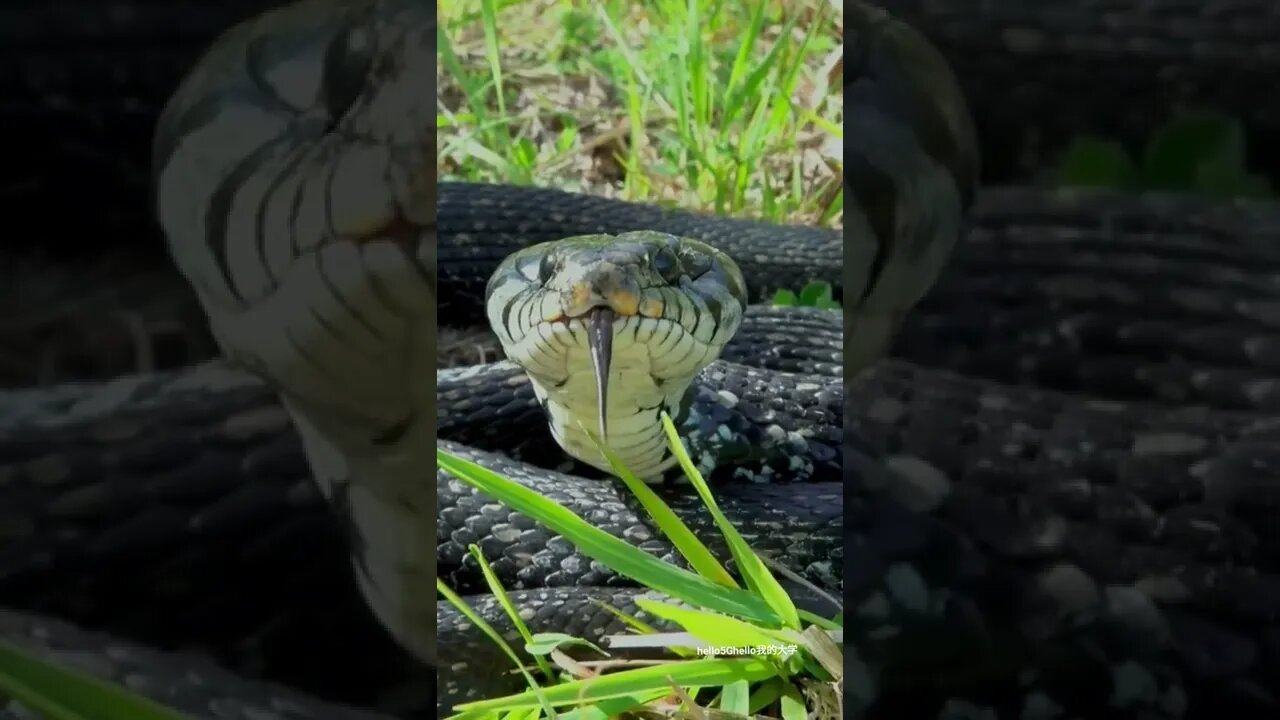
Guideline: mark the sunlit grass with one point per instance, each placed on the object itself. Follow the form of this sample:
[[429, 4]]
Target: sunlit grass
[[727, 107], [709, 606]]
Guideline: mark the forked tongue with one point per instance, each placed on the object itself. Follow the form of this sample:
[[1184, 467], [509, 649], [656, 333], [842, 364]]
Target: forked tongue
[[600, 341]]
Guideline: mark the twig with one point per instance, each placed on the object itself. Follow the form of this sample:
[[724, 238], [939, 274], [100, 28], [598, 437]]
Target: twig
[[664, 713], [791, 575], [681, 640]]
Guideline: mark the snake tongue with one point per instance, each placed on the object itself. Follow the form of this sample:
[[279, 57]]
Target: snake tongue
[[600, 340]]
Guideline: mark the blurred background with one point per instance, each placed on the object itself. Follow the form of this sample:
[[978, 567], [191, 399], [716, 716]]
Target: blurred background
[[730, 107], [733, 107]]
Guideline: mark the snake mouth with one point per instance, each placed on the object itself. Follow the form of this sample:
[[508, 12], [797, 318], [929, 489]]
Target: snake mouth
[[599, 322]]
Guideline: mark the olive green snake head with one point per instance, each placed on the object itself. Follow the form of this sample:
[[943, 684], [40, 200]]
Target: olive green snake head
[[612, 331]]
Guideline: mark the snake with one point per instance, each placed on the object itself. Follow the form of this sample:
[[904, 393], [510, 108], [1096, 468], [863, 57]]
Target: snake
[[1016, 541]]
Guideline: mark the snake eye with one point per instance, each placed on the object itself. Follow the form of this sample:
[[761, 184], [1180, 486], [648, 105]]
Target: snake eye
[[546, 268], [666, 263], [346, 71]]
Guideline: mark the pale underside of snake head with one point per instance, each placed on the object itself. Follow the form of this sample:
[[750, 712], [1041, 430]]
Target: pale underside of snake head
[[612, 331], [295, 183]]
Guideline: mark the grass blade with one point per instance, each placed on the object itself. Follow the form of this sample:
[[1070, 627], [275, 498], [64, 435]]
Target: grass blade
[[736, 697], [535, 690], [471, 88], [640, 681], [753, 569], [712, 628], [793, 704], [643, 628], [820, 621], [765, 694], [505, 601], [491, 52], [734, 93], [825, 651], [690, 547], [62, 693], [699, 68], [613, 707], [614, 552]]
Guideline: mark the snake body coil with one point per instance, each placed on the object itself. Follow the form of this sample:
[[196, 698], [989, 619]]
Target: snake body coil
[[293, 183]]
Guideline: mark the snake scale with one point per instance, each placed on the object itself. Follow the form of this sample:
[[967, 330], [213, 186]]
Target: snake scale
[[1083, 526]]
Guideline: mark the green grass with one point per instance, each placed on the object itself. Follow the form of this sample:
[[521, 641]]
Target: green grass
[[711, 606], [1199, 152], [726, 107], [60, 692], [816, 294]]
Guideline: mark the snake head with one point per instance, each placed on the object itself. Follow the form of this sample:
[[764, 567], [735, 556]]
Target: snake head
[[295, 183], [294, 180], [639, 313]]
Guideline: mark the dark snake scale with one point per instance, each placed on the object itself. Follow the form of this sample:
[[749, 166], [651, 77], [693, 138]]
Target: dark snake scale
[[1044, 464]]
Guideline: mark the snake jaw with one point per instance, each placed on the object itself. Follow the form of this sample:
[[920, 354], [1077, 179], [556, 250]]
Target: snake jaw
[[600, 342]]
